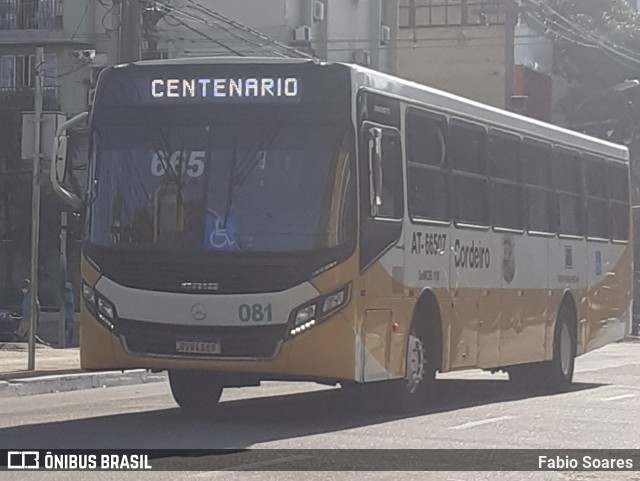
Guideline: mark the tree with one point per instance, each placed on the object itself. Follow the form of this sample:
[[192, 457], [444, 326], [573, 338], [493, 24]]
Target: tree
[[595, 48]]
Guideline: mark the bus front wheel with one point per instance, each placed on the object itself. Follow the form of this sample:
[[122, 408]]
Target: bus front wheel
[[195, 391], [417, 389]]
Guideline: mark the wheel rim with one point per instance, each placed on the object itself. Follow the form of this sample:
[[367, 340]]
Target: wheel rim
[[565, 350], [415, 363]]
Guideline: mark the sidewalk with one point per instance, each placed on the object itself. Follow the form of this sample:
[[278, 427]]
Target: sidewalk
[[57, 370]]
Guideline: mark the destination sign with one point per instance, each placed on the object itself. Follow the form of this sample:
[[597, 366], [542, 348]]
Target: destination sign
[[226, 89]]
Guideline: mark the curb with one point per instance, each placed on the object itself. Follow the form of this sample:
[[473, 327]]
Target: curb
[[76, 382], [22, 375]]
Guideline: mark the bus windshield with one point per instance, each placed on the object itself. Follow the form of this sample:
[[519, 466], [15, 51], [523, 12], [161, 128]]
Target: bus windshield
[[219, 187]]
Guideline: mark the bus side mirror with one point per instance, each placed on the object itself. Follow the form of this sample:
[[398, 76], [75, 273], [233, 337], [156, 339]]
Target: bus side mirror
[[59, 161], [375, 170], [59, 158]]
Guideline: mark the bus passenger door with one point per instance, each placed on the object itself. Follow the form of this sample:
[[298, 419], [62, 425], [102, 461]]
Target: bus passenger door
[[381, 251]]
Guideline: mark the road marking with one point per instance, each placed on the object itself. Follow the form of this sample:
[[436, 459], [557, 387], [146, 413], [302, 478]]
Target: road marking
[[473, 424], [615, 398], [251, 466]]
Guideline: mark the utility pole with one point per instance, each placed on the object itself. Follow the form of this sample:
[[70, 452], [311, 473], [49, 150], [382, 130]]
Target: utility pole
[[130, 30], [62, 333], [35, 208], [511, 18]]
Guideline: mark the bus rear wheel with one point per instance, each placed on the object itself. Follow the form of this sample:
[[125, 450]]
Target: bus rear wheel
[[555, 375], [559, 371], [196, 392]]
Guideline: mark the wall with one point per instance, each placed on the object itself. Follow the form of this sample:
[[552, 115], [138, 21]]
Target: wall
[[347, 26], [457, 46]]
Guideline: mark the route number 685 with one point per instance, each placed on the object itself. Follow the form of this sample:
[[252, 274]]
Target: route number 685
[[179, 162]]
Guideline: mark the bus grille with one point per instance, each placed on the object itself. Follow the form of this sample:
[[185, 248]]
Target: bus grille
[[160, 339]]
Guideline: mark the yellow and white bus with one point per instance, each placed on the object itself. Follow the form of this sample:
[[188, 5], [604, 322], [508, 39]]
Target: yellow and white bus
[[270, 219]]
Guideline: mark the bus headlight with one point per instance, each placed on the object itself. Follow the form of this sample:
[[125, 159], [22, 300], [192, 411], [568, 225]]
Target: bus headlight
[[334, 301], [305, 314], [318, 310], [106, 308], [99, 306], [88, 294]]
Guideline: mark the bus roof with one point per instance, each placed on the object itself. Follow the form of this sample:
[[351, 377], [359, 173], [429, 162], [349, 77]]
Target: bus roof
[[219, 60], [439, 100], [445, 102]]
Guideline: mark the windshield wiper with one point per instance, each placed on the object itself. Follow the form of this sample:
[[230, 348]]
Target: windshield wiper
[[240, 173], [252, 158], [232, 184]]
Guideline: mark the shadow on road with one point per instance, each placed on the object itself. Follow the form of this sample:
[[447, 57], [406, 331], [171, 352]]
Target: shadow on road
[[244, 423]]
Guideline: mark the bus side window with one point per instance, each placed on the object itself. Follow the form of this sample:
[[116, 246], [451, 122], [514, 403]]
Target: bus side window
[[427, 175], [470, 183], [506, 171], [567, 178], [391, 194], [540, 197], [596, 197], [618, 183]]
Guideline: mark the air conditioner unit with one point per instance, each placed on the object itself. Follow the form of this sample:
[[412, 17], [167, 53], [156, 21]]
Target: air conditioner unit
[[302, 34], [86, 55], [385, 35], [362, 57], [318, 11], [91, 97]]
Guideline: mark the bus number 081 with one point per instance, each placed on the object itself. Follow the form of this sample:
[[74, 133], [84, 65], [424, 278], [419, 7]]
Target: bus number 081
[[254, 312]]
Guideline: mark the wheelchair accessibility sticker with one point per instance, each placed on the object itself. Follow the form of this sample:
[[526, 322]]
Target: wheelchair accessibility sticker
[[219, 236]]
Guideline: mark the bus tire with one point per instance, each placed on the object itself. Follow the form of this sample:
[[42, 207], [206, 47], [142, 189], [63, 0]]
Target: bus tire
[[417, 390], [558, 373], [196, 392], [555, 375]]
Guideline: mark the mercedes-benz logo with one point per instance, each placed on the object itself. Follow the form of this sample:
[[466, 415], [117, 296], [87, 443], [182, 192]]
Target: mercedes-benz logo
[[198, 312]]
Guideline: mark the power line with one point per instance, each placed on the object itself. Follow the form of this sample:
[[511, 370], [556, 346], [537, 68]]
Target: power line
[[176, 12], [209, 38], [575, 34], [247, 37], [247, 29]]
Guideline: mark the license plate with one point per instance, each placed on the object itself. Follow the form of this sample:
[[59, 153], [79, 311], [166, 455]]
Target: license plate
[[198, 347]]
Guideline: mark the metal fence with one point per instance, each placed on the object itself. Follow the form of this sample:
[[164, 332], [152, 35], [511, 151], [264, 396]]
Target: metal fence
[[22, 98], [30, 14]]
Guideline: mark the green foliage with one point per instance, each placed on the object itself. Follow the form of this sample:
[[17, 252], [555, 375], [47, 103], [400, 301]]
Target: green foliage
[[612, 20], [596, 47]]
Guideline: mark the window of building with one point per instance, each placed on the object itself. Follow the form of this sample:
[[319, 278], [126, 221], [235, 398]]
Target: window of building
[[7, 71], [30, 14], [447, 13]]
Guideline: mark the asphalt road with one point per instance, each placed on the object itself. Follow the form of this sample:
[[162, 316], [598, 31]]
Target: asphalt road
[[477, 410]]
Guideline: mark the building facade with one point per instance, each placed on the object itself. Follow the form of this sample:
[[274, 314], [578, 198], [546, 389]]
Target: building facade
[[357, 31], [459, 46], [78, 38]]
